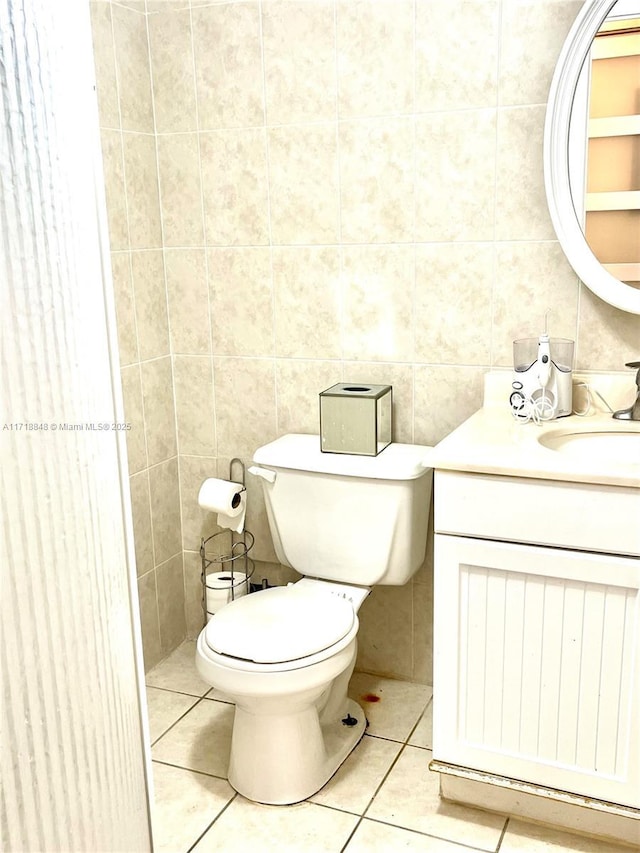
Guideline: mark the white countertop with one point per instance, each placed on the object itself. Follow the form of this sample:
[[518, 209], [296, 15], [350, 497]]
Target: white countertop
[[493, 442]]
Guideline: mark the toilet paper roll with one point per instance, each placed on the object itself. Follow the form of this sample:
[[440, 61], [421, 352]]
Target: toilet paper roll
[[219, 585], [227, 499]]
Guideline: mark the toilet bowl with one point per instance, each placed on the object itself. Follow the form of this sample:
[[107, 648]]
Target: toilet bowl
[[285, 655], [294, 724]]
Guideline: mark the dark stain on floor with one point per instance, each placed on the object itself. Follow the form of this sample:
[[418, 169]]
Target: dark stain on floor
[[370, 697]]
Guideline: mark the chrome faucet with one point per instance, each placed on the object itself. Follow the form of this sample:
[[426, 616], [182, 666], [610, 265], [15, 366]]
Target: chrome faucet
[[633, 412]]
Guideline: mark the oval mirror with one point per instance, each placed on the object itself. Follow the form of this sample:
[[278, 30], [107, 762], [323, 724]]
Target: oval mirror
[[592, 150]]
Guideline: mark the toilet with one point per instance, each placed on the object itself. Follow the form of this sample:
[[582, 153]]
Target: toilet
[[284, 655]]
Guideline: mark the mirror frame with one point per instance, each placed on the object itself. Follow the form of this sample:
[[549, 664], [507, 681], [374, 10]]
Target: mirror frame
[[556, 161]]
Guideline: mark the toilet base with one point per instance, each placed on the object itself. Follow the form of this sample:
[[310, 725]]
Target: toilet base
[[291, 756]]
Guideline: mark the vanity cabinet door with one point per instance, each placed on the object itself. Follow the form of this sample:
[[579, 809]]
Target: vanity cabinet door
[[536, 670]]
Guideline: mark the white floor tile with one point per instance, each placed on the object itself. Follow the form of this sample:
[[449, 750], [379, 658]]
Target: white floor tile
[[178, 672], [185, 805], [307, 827], [373, 837], [392, 707], [409, 798], [165, 707], [201, 740], [532, 838], [356, 781], [423, 732]]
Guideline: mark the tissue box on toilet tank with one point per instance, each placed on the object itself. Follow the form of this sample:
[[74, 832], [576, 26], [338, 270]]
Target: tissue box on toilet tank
[[355, 418]]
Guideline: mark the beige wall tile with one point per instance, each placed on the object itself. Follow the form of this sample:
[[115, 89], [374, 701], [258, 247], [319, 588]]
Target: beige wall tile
[[113, 168], [521, 203], [531, 280], [424, 575], [298, 385], [194, 405], [385, 636], [608, 338], [444, 397], [125, 307], [185, 803], [194, 614], [158, 6], [245, 404], [303, 182], [533, 32], [299, 60], [479, 179], [234, 183], [151, 303], [197, 523], [149, 620], [378, 283], [241, 294], [171, 613], [453, 303], [306, 284], [174, 92], [455, 175], [132, 60], [164, 489], [143, 206], [141, 511], [400, 377], [138, 6], [105, 64], [159, 410], [229, 75], [188, 301], [456, 54], [133, 412], [377, 180], [422, 639], [256, 520], [375, 56], [180, 190]]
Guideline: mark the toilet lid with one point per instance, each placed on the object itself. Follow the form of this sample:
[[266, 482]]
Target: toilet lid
[[283, 623]]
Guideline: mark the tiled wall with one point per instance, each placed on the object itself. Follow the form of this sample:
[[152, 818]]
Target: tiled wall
[[131, 178], [348, 190]]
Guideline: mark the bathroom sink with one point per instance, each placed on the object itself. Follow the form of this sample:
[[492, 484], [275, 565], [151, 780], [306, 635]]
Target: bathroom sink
[[607, 445]]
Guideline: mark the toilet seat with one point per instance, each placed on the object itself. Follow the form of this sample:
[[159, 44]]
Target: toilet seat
[[281, 625]]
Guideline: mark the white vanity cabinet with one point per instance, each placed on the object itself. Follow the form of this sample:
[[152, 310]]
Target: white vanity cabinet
[[537, 632]]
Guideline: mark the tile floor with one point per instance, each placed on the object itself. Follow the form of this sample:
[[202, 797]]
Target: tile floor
[[383, 798]]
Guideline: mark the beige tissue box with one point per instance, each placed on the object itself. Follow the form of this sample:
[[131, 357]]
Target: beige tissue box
[[356, 418]]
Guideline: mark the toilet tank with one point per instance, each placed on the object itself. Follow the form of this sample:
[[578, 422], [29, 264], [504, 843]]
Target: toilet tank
[[357, 519]]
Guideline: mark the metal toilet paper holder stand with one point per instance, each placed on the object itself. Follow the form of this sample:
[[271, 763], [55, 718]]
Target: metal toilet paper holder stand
[[227, 551]]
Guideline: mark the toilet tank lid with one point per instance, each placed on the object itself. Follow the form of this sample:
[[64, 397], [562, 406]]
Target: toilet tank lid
[[302, 453]]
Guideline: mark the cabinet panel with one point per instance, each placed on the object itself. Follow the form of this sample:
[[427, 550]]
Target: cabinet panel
[[535, 672], [542, 512]]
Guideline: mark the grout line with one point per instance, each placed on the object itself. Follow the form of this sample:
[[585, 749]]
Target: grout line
[[135, 321], [179, 692], [417, 723], [210, 354], [267, 153], [349, 244], [494, 253], [354, 119], [384, 779], [221, 812], [175, 722], [502, 834], [351, 834], [418, 832], [190, 769]]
